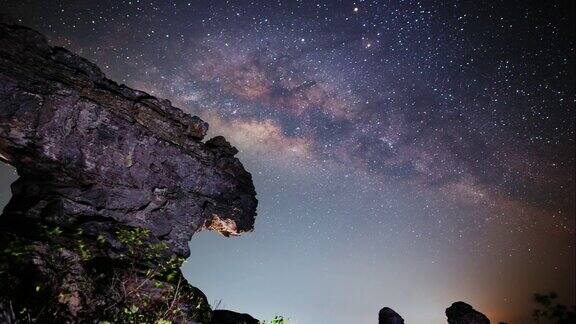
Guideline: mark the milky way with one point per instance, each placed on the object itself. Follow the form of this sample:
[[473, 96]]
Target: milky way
[[406, 154]]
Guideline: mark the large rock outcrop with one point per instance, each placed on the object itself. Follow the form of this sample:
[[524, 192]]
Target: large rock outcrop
[[112, 184], [462, 313]]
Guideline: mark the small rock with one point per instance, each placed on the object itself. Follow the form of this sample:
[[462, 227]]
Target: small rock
[[389, 316], [221, 143], [221, 316], [462, 313]]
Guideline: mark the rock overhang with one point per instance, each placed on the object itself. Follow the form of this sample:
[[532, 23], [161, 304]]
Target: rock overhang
[[99, 149]]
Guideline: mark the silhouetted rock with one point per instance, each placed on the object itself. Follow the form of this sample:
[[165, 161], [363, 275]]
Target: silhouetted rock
[[113, 184], [462, 313], [228, 317], [389, 316]]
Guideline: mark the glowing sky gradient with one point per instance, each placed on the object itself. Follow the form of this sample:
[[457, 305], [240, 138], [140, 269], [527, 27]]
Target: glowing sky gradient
[[406, 153]]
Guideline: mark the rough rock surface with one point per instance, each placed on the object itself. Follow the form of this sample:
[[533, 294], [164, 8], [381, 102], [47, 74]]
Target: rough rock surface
[[462, 313], [389, 316], [113, 184]]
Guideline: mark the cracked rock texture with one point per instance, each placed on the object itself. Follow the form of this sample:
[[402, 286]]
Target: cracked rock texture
[[113, 183]]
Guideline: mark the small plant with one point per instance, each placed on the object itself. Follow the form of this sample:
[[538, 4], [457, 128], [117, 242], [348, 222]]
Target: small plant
[[55, 231], [101, 239], [163, 321], [138, 245], [83, 251], [133, 238], [131, 313]]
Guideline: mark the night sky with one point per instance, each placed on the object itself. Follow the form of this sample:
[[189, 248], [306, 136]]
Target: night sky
[[405, 153]]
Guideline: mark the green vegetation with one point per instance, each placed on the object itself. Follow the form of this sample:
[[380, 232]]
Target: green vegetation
[[83, 250], [138, 245], [156, 288], [55, 231], [153, 255]]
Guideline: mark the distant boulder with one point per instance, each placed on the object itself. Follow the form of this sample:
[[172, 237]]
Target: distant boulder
[[462, 313], [389, 316], [221, 316]]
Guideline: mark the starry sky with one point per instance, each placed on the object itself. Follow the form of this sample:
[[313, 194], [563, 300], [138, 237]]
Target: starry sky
[[405, 153]]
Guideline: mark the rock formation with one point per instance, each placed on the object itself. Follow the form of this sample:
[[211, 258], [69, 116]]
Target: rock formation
[[113, 184], [462, 313], [228, 317], [389, 316]]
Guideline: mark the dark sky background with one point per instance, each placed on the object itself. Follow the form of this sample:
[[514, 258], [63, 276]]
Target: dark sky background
[[405, 153]]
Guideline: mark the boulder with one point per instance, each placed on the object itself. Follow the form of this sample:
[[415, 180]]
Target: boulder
[[389, 316], [230, 317], [462, 313]]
